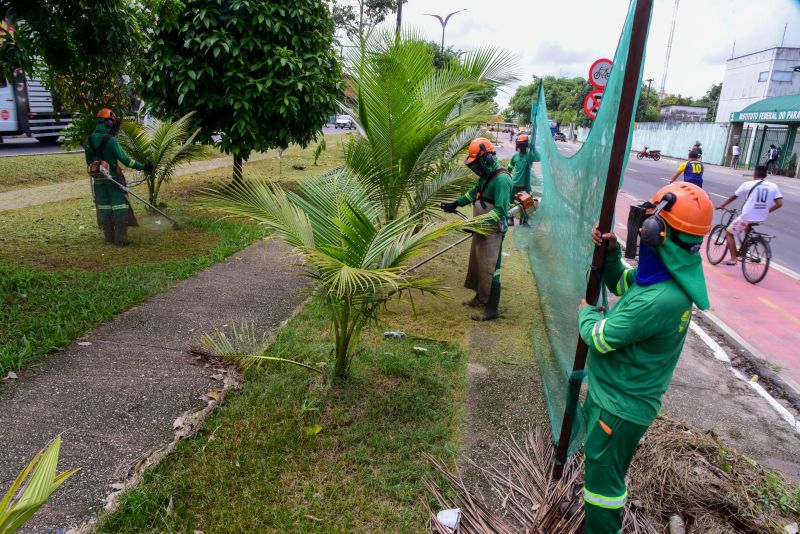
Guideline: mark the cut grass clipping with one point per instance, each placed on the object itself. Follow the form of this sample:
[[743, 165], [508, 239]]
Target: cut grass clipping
[[291, 453]]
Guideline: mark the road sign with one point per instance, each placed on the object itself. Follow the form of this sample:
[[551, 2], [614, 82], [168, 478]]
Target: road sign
[[591, 104], [599, 73]]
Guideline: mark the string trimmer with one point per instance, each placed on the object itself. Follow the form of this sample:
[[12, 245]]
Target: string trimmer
[[522, 201], [175, 224]]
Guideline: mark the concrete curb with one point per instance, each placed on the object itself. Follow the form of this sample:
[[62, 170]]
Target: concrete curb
[[754, 358]]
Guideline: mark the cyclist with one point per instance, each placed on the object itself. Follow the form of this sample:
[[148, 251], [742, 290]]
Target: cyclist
[[761, 198], [692, 170]]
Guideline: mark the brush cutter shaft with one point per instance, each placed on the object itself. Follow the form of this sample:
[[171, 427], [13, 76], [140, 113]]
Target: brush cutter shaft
[[128, 190]]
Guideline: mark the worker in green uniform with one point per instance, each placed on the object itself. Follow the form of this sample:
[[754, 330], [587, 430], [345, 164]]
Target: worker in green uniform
[[112, 205], [491, 195], [520, 168], [634, 347]]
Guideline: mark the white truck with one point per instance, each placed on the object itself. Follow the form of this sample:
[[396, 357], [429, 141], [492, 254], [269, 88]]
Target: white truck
[[26, 108]]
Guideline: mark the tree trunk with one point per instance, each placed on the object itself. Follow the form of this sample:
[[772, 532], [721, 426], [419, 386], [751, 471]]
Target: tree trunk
[[237, 168], [342, 326]]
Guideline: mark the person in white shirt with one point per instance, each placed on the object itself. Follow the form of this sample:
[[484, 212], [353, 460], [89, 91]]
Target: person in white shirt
[[761, 199], [735, 153]]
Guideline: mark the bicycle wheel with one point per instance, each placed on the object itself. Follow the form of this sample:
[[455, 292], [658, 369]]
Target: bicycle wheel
[[755, 259], [716, 245]]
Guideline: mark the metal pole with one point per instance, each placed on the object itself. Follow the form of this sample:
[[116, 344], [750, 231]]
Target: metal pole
[[647, 98], [126, 189], [630, 86]]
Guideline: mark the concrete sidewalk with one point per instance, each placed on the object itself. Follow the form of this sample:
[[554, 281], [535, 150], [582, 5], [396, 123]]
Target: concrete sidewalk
[[115, 394]]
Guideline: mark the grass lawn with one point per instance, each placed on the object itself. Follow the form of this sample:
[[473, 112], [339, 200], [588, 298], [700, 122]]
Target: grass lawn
[[256, 466], [20, 172], [58, 279]]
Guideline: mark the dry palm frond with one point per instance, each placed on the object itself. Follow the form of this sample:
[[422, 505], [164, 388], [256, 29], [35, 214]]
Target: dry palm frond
[[531, 500]]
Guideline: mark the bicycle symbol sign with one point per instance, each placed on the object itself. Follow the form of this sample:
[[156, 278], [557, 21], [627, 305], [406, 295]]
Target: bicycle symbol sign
[[599, 73]]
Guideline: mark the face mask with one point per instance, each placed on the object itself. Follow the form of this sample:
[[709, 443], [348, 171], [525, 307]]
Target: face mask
[[478, 167]]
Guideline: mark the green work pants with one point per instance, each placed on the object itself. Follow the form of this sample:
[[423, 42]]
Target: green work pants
[[109, 198], [609, 450]]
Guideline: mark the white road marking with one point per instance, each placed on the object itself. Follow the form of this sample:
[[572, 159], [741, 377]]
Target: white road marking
[[722, 356]]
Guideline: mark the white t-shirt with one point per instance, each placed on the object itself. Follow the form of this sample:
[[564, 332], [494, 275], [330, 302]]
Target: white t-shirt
[[735, 150], [756, 207]]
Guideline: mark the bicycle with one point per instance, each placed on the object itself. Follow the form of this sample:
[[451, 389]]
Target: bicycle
[[754, 248]]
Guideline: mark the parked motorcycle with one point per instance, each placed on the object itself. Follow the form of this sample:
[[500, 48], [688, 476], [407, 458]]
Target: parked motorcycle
[[655, 155]]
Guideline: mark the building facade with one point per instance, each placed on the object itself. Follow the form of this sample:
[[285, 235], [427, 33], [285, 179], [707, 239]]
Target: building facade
[[756, 76]]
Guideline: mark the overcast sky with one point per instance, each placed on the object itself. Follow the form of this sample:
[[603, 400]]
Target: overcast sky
[[565, 36]]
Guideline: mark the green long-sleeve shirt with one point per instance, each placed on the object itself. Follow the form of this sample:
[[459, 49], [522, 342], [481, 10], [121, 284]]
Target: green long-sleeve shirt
[[520, 167], [634, 349], [497, 191], [111, 154]]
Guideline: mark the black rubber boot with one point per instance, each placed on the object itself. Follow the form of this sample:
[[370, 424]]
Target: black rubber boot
[[107, 223], [121, 228], [473, 302], [491, 311]]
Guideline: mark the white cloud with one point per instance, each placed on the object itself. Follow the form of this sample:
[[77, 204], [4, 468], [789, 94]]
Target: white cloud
[[564, 37]]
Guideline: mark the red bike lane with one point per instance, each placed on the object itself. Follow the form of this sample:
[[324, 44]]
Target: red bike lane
[[765, 316]]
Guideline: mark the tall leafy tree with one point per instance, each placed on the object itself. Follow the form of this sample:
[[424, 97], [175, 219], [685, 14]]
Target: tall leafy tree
[[711, 101], [86, 52], [262, 75], [358, 18]]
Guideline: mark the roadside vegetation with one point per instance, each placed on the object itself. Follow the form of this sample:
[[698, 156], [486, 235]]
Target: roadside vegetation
[[58, 279], [291, 453], [21, 172]]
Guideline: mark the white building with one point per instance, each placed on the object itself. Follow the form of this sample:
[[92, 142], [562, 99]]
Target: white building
[[677, 113], [753, 77]]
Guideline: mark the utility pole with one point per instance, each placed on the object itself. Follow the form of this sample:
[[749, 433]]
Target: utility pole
[[399, 18], [443, 22], [647, 98], [669, 48]]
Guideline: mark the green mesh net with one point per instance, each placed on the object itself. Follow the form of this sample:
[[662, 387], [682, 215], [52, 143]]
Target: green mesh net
[[558, 241]]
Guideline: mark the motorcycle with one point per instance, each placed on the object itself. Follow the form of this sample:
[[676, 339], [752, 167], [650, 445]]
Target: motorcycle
[[655, 155]]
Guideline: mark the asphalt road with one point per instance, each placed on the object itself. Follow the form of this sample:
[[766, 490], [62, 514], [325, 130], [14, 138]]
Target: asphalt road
[[26, 146], [645, 177]]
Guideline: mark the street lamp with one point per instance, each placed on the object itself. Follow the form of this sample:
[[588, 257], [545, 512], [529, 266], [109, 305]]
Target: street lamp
[[443, 22]]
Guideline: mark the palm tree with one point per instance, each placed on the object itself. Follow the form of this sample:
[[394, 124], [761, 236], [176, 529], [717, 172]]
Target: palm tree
[[358, 258], [414, 119], [167, 144]]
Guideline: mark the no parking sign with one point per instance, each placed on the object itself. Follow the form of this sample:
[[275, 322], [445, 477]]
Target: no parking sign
[[591, 104]]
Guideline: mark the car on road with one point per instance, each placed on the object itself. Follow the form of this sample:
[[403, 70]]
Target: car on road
[[344, 121], [559, 136]]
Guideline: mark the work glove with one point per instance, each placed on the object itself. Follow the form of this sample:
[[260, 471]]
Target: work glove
[[148, 167], [449, 207]]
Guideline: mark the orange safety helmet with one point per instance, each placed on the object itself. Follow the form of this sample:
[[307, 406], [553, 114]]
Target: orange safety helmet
[[479, 147], [109, 117], [692, 210]]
